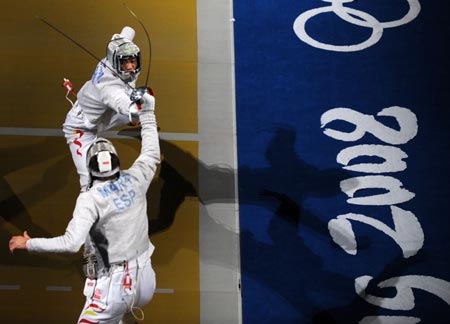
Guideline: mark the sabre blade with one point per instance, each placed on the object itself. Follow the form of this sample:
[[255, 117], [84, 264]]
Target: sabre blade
[[84, 49]]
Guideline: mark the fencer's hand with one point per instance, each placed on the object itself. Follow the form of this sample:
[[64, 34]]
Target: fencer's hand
[[143, 107], [146, 103], [19, 242]]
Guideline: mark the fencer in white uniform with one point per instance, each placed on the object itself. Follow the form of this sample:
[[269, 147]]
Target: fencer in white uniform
[[103, 102], [110, 217]]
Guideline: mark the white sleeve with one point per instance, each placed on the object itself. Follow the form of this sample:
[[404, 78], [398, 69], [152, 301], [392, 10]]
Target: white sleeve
[[77, 230], [113, 91], [145, 165], [116, 97]]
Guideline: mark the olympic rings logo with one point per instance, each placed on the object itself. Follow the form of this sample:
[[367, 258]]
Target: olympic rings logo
[[355, 17]]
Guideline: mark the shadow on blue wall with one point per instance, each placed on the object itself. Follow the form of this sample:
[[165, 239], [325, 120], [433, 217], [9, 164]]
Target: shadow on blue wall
[[283, 263]]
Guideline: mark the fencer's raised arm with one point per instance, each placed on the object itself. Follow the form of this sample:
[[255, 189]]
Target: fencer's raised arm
[[145, 165]]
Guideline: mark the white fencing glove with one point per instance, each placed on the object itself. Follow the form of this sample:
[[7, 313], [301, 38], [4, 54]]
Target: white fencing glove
[[141, 100], [147, 103], [146, 108]]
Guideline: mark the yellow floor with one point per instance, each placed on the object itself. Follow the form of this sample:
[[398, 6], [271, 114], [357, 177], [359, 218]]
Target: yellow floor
[[39, 184]]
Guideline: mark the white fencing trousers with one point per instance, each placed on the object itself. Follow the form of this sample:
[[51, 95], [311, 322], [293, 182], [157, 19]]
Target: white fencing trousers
[[108, 301]]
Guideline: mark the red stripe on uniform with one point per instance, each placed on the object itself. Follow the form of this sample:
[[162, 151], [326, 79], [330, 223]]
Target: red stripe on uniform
[[95, 306], [77, 142], [83, 320]]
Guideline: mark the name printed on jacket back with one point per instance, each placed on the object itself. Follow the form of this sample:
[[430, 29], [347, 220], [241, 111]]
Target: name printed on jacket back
[[121, 191]]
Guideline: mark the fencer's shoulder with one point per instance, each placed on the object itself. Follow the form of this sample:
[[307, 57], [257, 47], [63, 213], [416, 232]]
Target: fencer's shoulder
[[110, 81], [108, 77], [103, 73], [85, 200], [85, 196], [129, 176]]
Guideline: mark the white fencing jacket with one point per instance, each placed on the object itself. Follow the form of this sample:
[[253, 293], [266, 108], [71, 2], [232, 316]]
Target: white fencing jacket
[[112, 215], [103, 96]]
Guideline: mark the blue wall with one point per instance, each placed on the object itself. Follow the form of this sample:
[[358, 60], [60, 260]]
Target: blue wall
[[343, 160]]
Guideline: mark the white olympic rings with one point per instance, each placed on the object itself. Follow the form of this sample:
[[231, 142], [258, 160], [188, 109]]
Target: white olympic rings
[[355, 17]]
